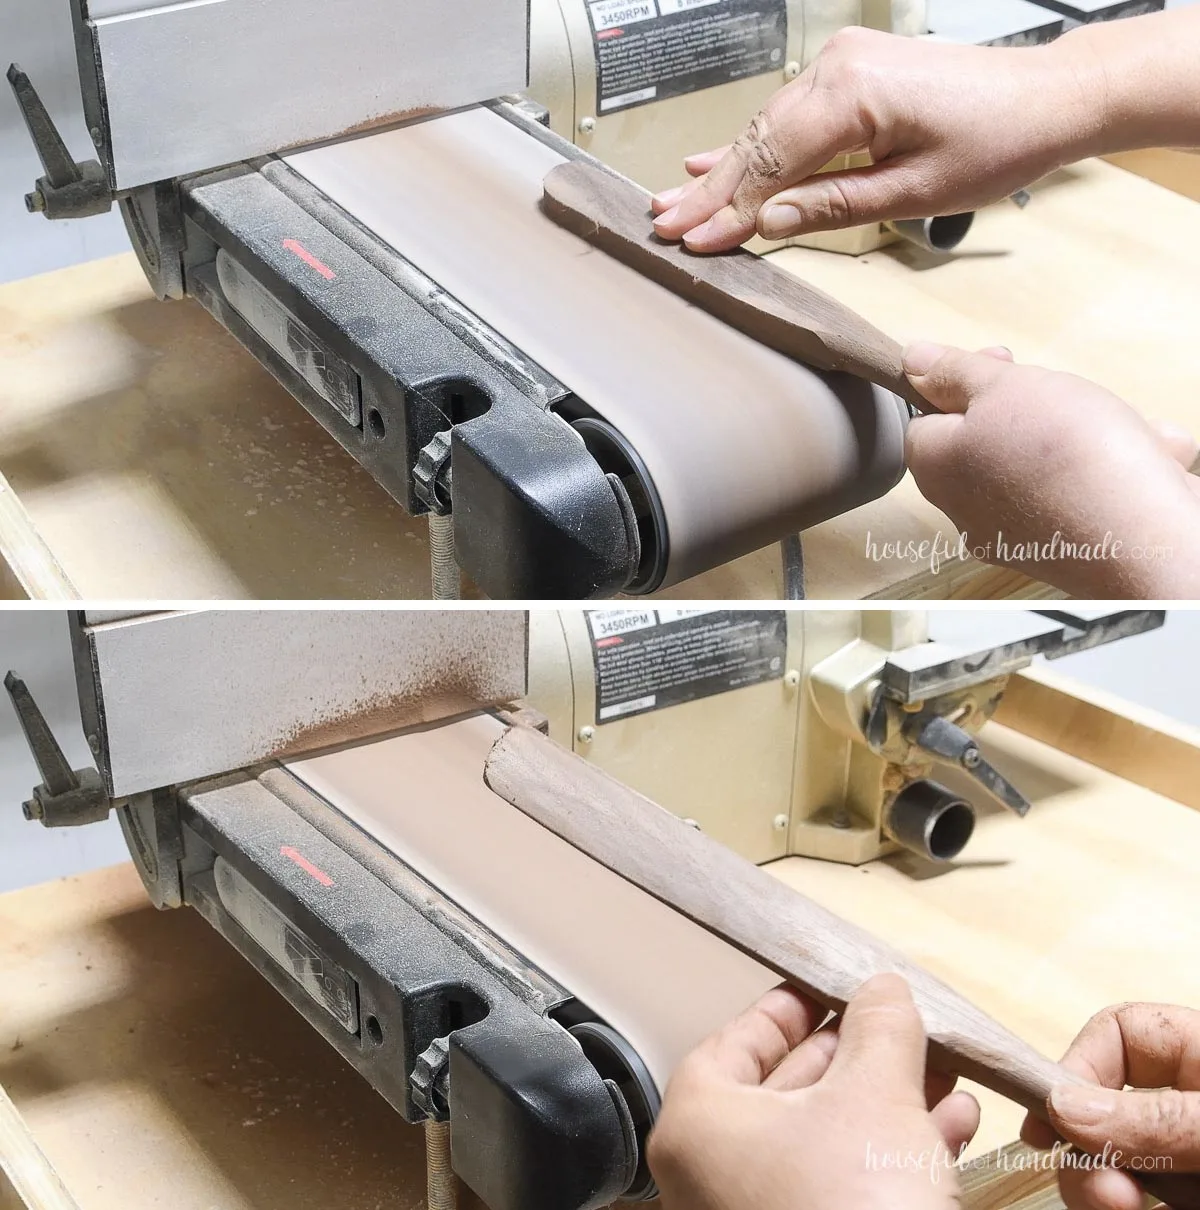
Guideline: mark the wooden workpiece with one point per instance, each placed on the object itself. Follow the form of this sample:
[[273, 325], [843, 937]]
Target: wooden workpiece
[[151, 456], [154, 1066], [806, 945], [747, 292], [813, 949]]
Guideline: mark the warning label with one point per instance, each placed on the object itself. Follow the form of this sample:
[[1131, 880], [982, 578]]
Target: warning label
[[648, 659], [650, 49]]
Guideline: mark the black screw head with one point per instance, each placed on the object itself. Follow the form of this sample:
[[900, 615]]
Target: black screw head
[[35, 203]]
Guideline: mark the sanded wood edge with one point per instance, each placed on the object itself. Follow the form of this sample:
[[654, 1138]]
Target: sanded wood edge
[[1115, 735], [31, 563], [23, 1164]]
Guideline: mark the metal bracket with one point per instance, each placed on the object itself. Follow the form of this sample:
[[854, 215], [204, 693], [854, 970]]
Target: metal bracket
[[933, 669], [69, 189], [949, 744], [67, 797]]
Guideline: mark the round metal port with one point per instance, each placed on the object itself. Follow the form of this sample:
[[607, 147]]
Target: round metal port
[[930, 821], [942, 234]]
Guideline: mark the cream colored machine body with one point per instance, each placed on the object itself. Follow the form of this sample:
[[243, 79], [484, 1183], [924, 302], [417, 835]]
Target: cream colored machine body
[[648, 139], [820, 734]]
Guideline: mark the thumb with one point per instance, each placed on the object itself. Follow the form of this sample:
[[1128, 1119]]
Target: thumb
[[953, 379], [830, 201], [882, 1039], [1164, 1123]]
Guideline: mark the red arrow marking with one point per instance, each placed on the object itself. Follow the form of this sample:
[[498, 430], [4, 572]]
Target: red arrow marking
[[298, 249], [306, 865]]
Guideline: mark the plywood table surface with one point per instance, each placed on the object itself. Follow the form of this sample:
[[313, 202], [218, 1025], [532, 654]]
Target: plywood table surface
[[155, 1067], [152, 457]]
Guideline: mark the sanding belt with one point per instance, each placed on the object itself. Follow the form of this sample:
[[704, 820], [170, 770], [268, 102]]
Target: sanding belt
[[660, 980], [743, 444]]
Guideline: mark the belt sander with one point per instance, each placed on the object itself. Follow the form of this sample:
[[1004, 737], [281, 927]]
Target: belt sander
[[315, 785], [340, 185]]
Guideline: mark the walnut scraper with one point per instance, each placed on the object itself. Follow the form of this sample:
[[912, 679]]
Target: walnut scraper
[[745, 291], [811, 948]]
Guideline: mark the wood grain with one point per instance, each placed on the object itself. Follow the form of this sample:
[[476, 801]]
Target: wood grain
[[1019, 1179], [744, 290], [813, 949], [29, 1174]]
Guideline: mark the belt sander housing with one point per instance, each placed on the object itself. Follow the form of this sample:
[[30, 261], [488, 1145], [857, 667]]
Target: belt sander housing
[[550, 497], [548, 489], [217, 736], [549, 1107]]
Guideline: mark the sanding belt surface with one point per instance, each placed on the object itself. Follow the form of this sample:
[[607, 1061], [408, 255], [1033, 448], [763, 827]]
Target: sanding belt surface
[[743, 444], [660, 980]]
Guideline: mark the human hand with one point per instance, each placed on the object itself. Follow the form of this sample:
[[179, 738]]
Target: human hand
[[1148, 1046], [949, 128], [1056, 477], [768, 1115]]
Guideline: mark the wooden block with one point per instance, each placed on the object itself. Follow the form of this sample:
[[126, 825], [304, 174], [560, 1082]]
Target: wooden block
[[1014, 1178], [1177, 170], [744, 290]]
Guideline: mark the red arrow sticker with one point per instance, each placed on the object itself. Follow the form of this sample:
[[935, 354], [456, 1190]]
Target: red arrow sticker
[[296, 248], [306, 865]]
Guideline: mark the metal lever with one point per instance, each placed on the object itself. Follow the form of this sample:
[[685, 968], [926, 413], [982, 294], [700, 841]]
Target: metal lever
[[67, 796], [69, 189], [949, 743]]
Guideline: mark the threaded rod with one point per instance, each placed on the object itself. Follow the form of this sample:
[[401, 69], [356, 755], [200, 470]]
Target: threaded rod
[[447, 579], [442, 1191]]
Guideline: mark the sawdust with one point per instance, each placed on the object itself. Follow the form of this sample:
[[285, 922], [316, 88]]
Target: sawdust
[[443, 685]]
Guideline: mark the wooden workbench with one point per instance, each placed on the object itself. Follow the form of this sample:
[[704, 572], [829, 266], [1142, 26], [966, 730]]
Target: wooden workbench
[[147, 455], [155, 1067]]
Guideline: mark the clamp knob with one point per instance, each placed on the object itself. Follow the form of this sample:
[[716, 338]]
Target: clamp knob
[[430, 1081], [432, 475]]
